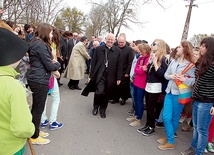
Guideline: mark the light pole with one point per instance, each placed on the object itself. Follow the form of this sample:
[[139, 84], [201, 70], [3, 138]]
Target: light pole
[[186, 26]]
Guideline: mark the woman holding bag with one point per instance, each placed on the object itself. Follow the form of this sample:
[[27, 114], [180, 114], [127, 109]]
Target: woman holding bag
[[172, 108]]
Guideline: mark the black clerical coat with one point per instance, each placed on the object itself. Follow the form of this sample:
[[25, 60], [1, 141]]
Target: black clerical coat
[[114, 70]]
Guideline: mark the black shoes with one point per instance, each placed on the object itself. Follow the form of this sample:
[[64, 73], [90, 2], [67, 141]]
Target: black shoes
[[123, 102], [159, 125], [141, 130], [150, 131], [102, 112], [78, 88], [103, 115], [114, 101], [72, 88], [95, 111]]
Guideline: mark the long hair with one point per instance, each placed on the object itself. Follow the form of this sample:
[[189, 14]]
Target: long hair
[[187, 50], [42, 32], [161, 52], [173, 54], [56, 38], [207, 59]]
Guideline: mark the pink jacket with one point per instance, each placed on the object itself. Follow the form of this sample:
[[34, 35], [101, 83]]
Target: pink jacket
[[140, 74]]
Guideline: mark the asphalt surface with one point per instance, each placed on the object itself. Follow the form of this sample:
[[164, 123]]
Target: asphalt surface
[[85, 134]]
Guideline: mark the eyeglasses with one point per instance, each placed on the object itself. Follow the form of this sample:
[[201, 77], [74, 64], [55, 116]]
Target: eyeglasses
[[155, 44]]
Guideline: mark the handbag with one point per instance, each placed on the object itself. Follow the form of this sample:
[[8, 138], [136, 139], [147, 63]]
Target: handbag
[[51, 84], [185, 91]]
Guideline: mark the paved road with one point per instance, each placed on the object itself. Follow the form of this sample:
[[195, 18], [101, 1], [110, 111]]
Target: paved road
[[85, 134]]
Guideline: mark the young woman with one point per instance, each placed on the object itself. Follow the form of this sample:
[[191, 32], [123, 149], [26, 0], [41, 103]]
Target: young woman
[[155, 76], [140, 83], [41, 66], [187, 111], [172, 108], [203, 95], [55, 90]]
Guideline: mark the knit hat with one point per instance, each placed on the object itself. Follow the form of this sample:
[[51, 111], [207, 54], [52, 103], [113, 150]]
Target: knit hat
[[12, 48]]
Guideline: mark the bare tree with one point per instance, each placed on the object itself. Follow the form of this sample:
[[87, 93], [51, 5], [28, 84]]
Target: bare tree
[[120, 13], [32, 11]]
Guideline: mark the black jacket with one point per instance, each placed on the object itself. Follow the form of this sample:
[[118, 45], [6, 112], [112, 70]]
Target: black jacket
[[41, 63], [70, 47], [114, 70], [128, 56], [63, 47], [157, 76]]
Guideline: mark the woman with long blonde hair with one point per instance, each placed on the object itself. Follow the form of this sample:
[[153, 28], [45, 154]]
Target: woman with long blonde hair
[[155, 77]]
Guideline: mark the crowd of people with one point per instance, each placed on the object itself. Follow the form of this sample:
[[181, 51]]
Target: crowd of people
[[117, 70]]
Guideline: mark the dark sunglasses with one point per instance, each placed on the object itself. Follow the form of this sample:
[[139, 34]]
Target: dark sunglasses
[[155, 44]]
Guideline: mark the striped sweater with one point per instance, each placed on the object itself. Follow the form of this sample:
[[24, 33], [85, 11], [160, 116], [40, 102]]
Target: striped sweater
[[204, 86]]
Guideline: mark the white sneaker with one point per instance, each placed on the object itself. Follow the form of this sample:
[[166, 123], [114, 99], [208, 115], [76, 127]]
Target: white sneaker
[[210, 147]]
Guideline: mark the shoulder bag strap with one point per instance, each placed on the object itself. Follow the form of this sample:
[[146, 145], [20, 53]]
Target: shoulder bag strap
[[188, 67]]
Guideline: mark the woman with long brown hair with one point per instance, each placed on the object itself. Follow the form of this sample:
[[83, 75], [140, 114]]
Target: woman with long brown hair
[[41, 66], [203, 96], [172, 108], [55, 90]]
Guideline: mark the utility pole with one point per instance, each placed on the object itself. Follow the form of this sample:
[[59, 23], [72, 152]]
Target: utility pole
[[186, 26]]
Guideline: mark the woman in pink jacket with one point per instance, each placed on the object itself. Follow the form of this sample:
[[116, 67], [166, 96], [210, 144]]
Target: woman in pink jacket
[[140, 76]]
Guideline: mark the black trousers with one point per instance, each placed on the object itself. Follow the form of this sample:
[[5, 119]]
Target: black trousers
[[123, 90], [100, 96], [61, 70], [73, 83], [40, 92], [151, 107]]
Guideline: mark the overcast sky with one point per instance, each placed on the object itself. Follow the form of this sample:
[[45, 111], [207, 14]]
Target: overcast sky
[[166, 24]]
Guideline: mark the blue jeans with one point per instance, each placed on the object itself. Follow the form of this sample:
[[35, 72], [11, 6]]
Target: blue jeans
[[138, 100], [132, 94], [160, 118], [55, 104], [201, 120], [171, 115]]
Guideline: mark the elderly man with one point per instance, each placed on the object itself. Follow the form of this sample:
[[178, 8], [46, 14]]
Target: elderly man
[[71, 43], [106, 74], [76, 65], [123, 90]]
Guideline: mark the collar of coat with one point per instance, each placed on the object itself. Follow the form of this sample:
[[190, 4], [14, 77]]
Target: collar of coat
[[113, 48]]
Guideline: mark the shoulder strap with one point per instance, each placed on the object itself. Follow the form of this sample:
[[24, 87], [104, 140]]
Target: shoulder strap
[[188, 67]]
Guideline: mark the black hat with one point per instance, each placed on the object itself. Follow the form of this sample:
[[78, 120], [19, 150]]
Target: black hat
[[12, 48]]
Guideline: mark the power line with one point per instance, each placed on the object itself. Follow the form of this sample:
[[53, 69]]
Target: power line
[[205, 2]]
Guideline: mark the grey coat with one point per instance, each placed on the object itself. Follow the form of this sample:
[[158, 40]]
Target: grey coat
[[176, 68]]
